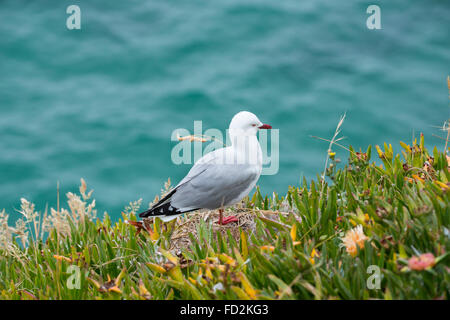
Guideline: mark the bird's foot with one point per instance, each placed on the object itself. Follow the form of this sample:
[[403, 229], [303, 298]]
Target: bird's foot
[[227, 220]]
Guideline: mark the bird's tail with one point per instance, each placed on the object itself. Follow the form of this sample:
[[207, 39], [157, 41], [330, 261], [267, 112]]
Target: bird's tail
[[161, 208], [164, 209]]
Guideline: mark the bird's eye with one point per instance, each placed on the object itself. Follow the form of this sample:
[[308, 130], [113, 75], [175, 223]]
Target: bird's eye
[[253, 125]]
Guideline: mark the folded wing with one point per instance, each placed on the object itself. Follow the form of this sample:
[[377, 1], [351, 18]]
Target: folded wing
[[209, 184]]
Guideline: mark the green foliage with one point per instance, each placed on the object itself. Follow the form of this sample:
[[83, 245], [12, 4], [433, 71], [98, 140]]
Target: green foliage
[[295, 252]]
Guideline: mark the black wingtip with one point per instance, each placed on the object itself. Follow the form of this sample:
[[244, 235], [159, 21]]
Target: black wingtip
[[158, 205], [144, 214], [165, 209]]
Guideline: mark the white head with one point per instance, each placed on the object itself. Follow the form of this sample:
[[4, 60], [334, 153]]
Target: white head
[[246, 123]]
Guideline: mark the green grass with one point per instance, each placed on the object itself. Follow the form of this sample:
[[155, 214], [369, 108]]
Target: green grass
[[402, 207]]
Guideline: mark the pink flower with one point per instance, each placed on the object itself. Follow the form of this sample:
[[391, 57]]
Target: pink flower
[[422, 262]]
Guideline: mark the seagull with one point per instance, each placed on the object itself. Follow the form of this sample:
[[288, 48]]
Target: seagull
[[220, 178]]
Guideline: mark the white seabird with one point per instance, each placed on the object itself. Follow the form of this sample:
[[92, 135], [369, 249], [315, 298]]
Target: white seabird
[[220, 178]]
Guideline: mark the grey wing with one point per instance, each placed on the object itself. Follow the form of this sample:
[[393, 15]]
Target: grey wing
[[215, 186], [211, 185], [203, 163]]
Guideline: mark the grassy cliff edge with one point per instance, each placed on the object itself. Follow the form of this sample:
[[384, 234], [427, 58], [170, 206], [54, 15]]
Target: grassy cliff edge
[[370, 232]]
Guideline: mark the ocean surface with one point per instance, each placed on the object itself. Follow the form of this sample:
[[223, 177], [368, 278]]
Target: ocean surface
[[102, 102]]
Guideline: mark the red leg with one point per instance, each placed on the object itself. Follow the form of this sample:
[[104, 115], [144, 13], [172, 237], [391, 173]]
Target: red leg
[[229, 219], [226, 220], [220, 217]]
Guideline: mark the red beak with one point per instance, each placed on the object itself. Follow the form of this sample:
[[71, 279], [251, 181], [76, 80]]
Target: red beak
[[265, 126]]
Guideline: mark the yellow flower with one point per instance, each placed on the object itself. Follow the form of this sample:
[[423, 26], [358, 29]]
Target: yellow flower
[[208, 273], [442, 185], [417, 178], [313, 254], [60, 258], [294, 232], [353, 238], [267, 248]]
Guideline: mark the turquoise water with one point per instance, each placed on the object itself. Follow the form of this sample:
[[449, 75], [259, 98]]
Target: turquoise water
[[101, 102]]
